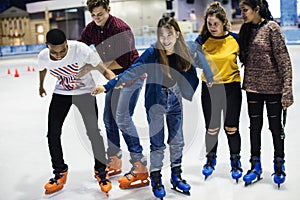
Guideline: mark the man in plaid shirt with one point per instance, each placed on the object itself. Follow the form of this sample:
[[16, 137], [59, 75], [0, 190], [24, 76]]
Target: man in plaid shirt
[[115, 44]]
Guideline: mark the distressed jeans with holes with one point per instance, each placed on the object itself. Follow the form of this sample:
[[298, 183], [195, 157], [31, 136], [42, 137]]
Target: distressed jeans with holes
[[274, 112]]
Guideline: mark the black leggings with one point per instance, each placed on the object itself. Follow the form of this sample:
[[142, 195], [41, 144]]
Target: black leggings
[[274, 111], [58, 110], [226, 98]]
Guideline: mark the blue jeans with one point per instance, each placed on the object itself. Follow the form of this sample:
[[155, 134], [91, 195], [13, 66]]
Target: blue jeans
[[127, 101], [171, 106], [119, 106]]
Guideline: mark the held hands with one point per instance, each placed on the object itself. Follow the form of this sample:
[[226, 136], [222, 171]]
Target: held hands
[[97, 90]]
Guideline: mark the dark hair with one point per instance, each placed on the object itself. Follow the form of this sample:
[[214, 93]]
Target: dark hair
[[91, 4], [218, 10], [55, 37], [182, 52], [245, 31], [264, 11]]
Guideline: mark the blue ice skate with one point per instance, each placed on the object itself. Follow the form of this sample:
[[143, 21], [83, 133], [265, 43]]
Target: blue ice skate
[[236, 170], [209, 167], [253, 175], [158, 188], [279, 174], [178, 183]]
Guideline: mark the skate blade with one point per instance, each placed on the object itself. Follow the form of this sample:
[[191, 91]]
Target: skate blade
[[206, 177], [187, 193], [236, 180], [253, 182], [278, 186], [53, 194]]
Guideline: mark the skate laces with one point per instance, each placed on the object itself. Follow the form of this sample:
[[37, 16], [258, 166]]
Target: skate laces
[[278, 168], [209, 163], [104, 181], [253, 163], [131, 172], [57, 176], [235, 162], [177, 171], [156, 178], [157, 185], [140, 169], [102, 176]]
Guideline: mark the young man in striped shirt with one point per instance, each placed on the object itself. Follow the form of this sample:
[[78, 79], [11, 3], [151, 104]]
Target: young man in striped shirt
[[63, 59]]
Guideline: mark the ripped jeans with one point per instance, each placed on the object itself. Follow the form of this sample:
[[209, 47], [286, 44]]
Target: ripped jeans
[[274, 112]]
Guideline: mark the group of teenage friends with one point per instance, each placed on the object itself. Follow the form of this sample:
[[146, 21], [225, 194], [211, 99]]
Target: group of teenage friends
[[168, 68]]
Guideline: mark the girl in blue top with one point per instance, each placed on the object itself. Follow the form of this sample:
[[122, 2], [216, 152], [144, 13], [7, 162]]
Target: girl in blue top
[[169, 65]]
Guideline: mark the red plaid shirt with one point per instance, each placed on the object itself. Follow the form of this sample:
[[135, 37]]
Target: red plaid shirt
[[113, 41]]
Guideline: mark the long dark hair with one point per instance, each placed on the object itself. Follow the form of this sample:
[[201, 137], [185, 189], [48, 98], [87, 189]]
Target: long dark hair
[[216, 9], [245, 31], [182, 52]]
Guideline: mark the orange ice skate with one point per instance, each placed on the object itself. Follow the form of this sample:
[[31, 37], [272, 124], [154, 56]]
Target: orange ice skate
[[57, 183], [104, 183], [138, 176], [115, 166]]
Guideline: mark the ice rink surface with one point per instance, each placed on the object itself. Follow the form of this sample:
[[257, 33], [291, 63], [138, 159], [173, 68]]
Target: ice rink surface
[[25, 162]]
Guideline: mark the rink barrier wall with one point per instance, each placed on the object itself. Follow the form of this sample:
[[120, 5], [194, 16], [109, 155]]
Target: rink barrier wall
[[292, 37], [21, 49]]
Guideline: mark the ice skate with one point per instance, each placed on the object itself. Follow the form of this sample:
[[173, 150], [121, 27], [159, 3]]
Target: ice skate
[[115, 166], [157, 186], [103, 181], [57, 183], [138, 176], [236, 170], [253, 175], [178, 183], [209, 167], [279, 174]]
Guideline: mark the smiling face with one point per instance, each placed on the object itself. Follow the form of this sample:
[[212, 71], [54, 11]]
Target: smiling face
[[168, 37], [58, 52], [100, 15], [215, 26], [249, 14]]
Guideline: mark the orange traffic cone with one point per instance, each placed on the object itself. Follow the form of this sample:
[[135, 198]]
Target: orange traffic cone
[[28, 69], [17, 73], [33, 69], [8, 72]]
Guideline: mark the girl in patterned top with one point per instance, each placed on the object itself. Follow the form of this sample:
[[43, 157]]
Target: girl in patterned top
[[267, 79]]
